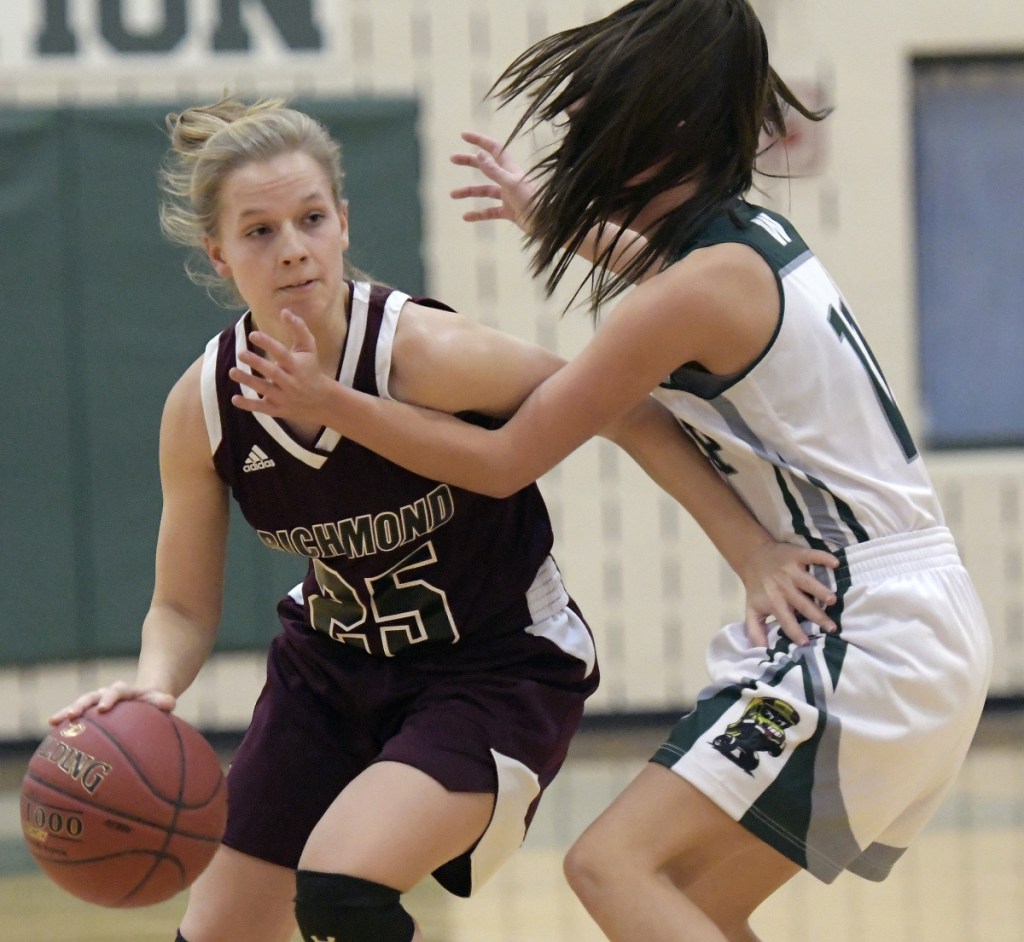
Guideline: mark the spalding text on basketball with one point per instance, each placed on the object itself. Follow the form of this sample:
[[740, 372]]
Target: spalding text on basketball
[[86, 770]]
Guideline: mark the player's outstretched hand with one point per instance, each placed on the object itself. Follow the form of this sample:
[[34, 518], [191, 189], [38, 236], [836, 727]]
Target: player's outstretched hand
[[288, 380], [781, 587], [510, 187], [105, 697]]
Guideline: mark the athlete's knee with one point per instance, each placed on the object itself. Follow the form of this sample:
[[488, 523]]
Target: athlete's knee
[[583, 867], [349, 909]]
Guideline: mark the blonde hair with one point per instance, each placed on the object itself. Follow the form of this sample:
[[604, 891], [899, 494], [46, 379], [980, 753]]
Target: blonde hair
[[208, 142]]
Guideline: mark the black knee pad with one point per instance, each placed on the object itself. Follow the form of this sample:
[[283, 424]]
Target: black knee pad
[[334, 906]]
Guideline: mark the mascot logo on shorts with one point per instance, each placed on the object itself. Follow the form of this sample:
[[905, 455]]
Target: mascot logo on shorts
[[761, 728]]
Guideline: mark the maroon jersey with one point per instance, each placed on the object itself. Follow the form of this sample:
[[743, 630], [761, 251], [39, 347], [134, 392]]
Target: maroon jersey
[[399, 563]]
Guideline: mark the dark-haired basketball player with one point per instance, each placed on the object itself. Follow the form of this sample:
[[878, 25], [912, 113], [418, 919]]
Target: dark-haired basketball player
[[829, 756]]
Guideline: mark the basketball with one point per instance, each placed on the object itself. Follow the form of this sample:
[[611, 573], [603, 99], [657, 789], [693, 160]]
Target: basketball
[[124, 808]]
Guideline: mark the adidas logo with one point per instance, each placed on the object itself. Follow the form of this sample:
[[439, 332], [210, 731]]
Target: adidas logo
[[258, 460]]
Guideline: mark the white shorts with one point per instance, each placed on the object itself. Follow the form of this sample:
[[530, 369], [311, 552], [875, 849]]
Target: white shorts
[[838, 753]]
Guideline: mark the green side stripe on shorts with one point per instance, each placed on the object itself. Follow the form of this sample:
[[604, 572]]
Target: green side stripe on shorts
[[775, 817], [701, 718]]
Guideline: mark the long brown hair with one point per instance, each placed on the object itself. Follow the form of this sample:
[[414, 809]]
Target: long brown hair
[[670, 91]]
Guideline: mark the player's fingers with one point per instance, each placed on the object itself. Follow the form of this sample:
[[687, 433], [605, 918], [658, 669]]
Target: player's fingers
[[75, 709], [803, 596], [303, 340], [261, 369], [461, 159], [782, 609], [474, 160], [494, 169], [791, 628], [820, 558], [756, 630], [484, 215], [103, 699], [159, 699], [257, 384], [107, 700], [273, 348], [117, 691], [812, 612], [810, 585], [477, 191], [485, 141], [504, 173], [266, 373], [262, 405]]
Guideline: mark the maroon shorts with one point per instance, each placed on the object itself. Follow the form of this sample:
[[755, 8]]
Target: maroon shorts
[[329, 710]]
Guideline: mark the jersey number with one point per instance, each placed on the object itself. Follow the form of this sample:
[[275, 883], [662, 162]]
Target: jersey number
[[846, 329], [406, 610], [710, 447]]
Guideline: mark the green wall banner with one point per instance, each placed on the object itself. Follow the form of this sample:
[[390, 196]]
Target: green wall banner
[[100, 320]]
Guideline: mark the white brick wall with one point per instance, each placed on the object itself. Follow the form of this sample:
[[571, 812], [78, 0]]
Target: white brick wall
[[645, 575]]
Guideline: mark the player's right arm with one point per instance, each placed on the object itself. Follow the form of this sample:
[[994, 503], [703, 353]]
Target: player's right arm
[[181, 625]]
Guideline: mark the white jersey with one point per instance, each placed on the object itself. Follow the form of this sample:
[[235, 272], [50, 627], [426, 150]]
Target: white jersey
[[809, 436], [838, 752]]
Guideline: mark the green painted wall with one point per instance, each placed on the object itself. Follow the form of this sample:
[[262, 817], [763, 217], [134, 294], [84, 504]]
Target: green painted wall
[[98, 321]]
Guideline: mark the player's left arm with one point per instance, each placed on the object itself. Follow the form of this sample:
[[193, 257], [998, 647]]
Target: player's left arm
[[442, 363], [686, 313], [448, 363], [776, 576]]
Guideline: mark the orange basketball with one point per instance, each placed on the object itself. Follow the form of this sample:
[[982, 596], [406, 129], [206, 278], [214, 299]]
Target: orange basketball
[[124, 808]]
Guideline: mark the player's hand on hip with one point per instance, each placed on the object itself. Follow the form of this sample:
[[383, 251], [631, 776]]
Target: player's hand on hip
[[105, 697], [780, 587], [510, 187]]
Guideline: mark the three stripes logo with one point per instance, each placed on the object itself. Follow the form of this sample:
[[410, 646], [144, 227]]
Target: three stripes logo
[[773, 228], [258, 460]]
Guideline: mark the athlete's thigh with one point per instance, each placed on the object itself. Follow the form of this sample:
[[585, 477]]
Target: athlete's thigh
[[662, 822], [732, 889], [240, 897], [394, 824]]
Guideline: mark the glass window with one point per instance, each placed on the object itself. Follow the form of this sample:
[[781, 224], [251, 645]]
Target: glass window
[[969, 162]]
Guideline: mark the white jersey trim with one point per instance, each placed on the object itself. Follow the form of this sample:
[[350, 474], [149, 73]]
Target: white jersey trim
[[329, 439], [553, 619], [270, 424], [208, 392], [518, 787], [386, 341]]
